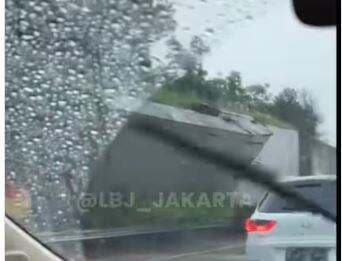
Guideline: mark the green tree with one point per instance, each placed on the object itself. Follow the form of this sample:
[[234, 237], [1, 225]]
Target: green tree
[[299, 110], [235, 92], [186, 60], [260, 97]]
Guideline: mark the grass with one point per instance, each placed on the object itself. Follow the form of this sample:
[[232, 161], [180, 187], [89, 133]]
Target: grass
[[176, 99], [267, 119], [172, 216], [181, 100]]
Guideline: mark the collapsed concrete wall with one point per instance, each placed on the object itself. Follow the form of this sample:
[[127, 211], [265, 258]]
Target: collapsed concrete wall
[[139, 163]]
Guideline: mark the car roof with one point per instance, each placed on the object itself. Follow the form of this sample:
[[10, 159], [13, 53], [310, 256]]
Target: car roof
[[309, 178]]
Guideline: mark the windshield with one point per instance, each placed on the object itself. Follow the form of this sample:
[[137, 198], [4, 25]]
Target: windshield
[[242, 79], [324, 193]]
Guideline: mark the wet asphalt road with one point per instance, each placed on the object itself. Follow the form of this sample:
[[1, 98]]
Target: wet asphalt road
[[230, 253], [189, 246]]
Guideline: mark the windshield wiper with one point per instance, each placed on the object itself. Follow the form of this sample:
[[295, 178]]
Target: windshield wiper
[[245, 171]]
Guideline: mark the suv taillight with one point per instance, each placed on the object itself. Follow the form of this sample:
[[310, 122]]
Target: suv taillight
[[260, 225]]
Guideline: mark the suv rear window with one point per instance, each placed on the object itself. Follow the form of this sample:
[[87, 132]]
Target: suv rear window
[[323, 193]]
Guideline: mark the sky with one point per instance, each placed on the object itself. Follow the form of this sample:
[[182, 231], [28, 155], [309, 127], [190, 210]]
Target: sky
[[266, 43]]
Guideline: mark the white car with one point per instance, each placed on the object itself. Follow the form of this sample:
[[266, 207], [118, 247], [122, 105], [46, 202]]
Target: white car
[[279, 230]]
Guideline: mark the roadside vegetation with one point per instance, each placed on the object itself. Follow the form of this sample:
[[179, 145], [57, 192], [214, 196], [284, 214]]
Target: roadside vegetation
[[168, 217], [288, 109]]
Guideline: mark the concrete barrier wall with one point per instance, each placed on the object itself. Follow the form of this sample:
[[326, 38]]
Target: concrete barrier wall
[[280, 155], [323, 158]]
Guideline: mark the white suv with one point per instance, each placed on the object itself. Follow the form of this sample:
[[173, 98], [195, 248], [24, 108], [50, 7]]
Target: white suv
[[281, 231]]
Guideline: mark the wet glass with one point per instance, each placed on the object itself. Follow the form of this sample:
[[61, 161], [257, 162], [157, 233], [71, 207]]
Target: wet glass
[[243, 78]]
